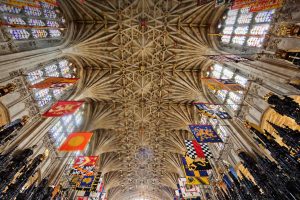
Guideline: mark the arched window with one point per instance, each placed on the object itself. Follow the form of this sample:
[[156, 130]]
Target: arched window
[[230, 99], [61, 68], [31, 21], [244, 28], [66, 125]]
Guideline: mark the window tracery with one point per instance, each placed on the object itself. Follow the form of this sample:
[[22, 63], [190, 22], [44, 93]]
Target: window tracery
[[244, 28], [231, 99], [39, 21], [65, 126], [44, 97]]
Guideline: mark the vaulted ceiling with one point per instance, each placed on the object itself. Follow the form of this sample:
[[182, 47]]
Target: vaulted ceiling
[[141, 66]]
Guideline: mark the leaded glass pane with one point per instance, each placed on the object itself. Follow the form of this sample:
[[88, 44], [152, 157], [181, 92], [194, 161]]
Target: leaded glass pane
[[245, 18], [235, 97], [52, 70], [241, 30], [19, 34], [57, 93], [232, 12], [30, 11], [230, 20], [36, 22], [42, 96], [265, 16], [39, 33], [255, 41], [227, 74], [35, 76], [14, 20], [218, 67], [233, 105], [221, 94], [260, 29], [241, 80], [9, 9], [54, 33], [228, 30], [225, 38], [67, 119], [238, 40]]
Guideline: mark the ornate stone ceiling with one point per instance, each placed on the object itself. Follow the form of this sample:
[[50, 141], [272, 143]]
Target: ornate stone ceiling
[[141, 66]]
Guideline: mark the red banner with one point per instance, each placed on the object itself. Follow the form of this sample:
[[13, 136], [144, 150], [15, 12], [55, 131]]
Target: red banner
[[257, 5], [76, 141], [62, 108], [55, 82], [85, 161], [266, 5]]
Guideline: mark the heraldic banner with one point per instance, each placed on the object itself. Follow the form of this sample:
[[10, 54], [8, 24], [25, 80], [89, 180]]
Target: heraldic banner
[[188, 191], [76, 141], [55, 82], [212, 110], [204, 133], [222, 84], [85, 161], [193, 176], [62, 108]]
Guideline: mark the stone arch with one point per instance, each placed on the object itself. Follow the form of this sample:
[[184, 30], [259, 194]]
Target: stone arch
[[4, 115]]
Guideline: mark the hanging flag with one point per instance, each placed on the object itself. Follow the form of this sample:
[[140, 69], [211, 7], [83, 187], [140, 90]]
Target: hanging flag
[[242, 4], [194, 177], [222, 84], [62, 108], [204, 133], [85, 161], [76, 141], [194, 149], [75, 180], [55, 82], [87, 181], [83, 170], [228, 58], [178, 192], [262, 5], [212, 110], [206, 151], [198, 164], [188, 191]]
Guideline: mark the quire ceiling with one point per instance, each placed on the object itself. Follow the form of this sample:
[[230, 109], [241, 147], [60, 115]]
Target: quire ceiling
[[141, 62]]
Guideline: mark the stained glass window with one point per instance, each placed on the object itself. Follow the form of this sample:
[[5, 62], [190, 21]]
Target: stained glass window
[[239, 26], [32, 21], [57, 69], [231, 99], [66, 125]]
